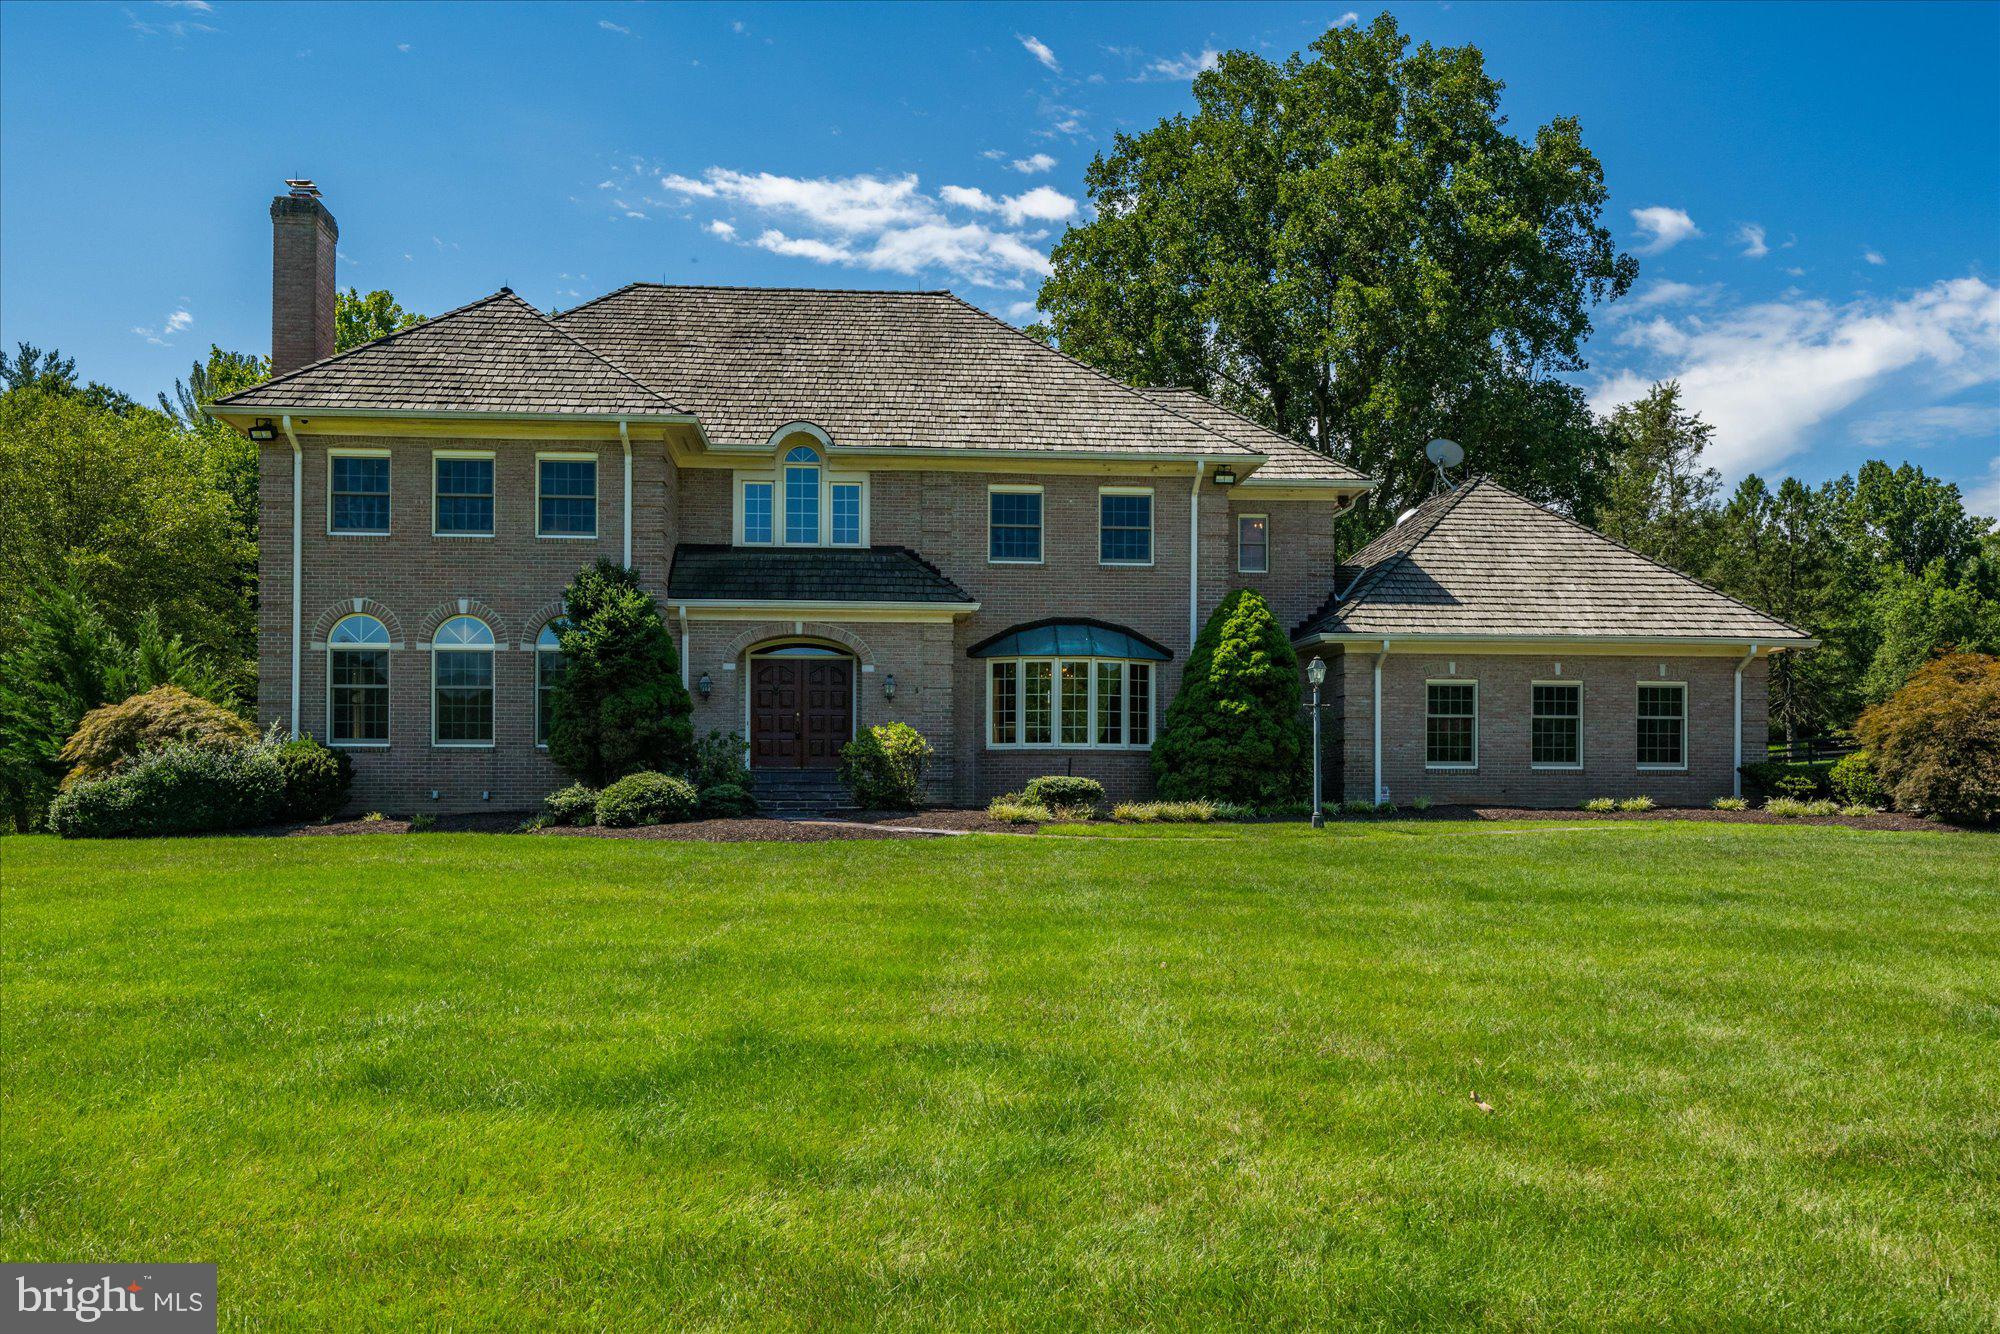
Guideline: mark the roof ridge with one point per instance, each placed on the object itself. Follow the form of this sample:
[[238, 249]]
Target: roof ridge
[[375, 342], [1659, 565], [752, 287], [1109, 379], [590, 351]]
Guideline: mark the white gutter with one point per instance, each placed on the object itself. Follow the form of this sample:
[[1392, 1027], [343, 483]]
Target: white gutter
[[298, 556], [1466, 637], [1375, 707], [625, 439], [1194, 554], [1736, 771], [793, 604], [684, 646]]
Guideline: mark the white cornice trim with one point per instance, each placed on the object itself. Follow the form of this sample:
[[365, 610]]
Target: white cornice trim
[[1739, 643]]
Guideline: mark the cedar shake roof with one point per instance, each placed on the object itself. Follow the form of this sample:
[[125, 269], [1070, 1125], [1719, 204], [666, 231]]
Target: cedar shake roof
[[498, 355], [1480, 561], [874, 369], [1290, 462], [704, 572]]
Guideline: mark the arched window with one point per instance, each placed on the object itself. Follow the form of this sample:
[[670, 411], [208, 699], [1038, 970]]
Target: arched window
[[462, 683], [548, 671], [802, 496], [357, 683]]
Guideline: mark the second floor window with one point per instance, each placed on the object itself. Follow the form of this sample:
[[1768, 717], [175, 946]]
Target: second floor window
[[801, 504], [1253, 544], [566, 497], [358, 499], [1124, 527], [1014, 524], [802, 497], [845, 501], [463, 494], [757, 511]]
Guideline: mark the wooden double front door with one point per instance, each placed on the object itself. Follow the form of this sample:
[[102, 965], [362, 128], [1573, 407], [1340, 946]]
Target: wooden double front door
[[801, 711]]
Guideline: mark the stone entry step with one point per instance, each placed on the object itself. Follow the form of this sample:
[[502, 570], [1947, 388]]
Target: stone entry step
[[796, 793]]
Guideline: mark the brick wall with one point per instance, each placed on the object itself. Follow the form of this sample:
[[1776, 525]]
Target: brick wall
[[1504, 775]]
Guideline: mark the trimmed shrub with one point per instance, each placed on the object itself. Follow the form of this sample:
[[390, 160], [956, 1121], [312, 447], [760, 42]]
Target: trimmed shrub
[[718, 762], [1730, 804], [1936, 742], [646, 798], [572, 805], [619, 706], [181, 788], [1637, 804], [883, 768], [1064, 790], [1796, 778], [112, 736], [1853, 781], [316, 777], [1601, 804], [1237, 730], [726, 801]]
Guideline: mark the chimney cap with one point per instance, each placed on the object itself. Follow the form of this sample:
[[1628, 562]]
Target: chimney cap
[[303, 189]]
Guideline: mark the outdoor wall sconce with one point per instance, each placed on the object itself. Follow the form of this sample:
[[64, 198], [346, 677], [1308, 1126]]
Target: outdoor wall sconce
[[704, 685], [889, 686], [1225, 476], [263, 432]]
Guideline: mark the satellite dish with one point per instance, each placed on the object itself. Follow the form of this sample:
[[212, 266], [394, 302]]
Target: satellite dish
[[1444, 453]]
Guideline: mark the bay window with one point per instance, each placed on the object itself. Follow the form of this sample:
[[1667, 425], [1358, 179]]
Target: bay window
[[1080, 703]]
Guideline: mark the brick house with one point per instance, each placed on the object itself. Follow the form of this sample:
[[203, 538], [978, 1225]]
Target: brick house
[[857, 507]]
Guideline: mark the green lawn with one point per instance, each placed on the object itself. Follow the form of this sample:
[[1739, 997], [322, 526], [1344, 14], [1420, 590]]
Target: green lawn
[[1741, 1075]]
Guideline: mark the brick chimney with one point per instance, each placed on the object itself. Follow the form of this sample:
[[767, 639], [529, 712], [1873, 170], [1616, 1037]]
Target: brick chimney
[[303, 236]]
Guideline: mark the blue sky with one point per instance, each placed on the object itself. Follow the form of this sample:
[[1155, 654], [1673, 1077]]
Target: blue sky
[[1813, 191]]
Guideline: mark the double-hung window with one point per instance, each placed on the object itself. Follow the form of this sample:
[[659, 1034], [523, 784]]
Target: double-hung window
[[548, 671], [462, 683], [844, 510], [1072, 703], [1451, 724], [565, 495], [357, 683], [1125, 526], [358, 492], [1014, 525], [757, 512], [461, 495], [1253, 543], [1662, 725], [1555, 725]]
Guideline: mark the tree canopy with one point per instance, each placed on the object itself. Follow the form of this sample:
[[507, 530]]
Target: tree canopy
[[1354, 250], [359, 318]]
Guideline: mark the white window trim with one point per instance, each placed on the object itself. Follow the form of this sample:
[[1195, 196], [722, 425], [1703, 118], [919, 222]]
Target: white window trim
[[1055, 741], [389, 687], [1041, 526], [1241, 568], [492, 650], [596, 496], [333, 454], [1687, 739], [775, 479], [1571, 684], [1152, 526], [489, 456], [1451, 681]]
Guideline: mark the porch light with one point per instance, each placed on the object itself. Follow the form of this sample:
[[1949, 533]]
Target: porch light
[[1225, 476], [263, 431], [704, 685], [1316, 672], [889, 686]]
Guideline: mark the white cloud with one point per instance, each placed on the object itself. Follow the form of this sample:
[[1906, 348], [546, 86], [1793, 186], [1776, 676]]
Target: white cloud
[[1021, 310], [1751, 237], [1181, 67], [404, 47], [177, 321], [1039, 49], [1873, 257], [887, 224], [618, 28], [995, 155], [1982, 497], [1767, 376], [1663, 228], [198, 6], [1036, 162], [1347, 19], [174, 28], [738, 26], [1665, 292]]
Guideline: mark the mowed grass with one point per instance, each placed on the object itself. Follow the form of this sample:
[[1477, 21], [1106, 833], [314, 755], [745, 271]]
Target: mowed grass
[[1740, 1076]]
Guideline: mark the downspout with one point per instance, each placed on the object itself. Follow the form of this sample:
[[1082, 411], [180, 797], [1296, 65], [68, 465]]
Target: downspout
[[625, 439], [1194, 555], [684, 645], [1375, 707], [298, 557], [1736, 772]]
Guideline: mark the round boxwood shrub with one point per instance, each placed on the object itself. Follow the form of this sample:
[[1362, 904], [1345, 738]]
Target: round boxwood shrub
[[884, 767], [1853, 781], [1065, 792], [646, 798], [178, 789], [316, 777], [572, 805], [727, 801], [1936, 742], [113, 735]]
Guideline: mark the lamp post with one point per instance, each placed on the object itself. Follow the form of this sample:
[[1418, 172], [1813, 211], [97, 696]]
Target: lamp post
[[1316, 676]]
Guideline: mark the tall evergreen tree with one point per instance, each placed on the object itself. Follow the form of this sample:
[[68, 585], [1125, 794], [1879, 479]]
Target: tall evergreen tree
[[1236, 730], [1660, 498]]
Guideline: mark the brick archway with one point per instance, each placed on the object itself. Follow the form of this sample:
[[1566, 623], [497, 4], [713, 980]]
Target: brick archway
[[346, 607], [444, 611]]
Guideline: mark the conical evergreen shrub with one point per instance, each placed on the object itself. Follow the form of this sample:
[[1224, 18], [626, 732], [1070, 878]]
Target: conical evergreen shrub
[[1237, 730]]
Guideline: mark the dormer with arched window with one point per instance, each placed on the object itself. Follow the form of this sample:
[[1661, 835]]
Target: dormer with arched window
[[799, 500]]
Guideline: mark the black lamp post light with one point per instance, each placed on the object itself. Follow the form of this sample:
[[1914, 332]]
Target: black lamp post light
[[1316, 677]]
